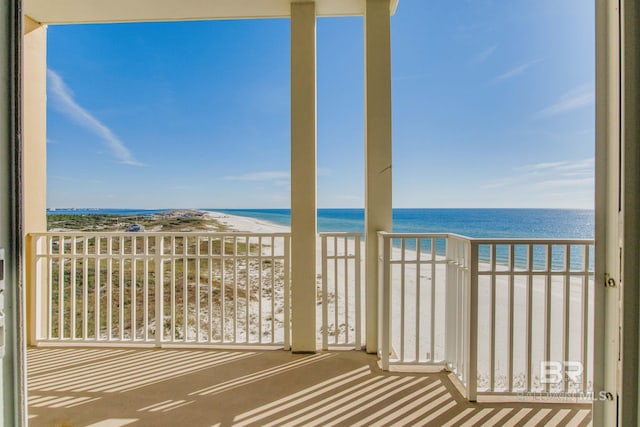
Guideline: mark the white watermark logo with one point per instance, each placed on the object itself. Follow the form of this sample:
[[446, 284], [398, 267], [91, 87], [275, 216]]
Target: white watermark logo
[[554, 372]]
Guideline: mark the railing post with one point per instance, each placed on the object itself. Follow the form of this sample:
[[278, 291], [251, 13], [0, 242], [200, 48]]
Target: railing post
[[159, 284], [451, 299], [384, 299], [287, 292], [38, 284], [325, 298], [358, 294], [472, 344]]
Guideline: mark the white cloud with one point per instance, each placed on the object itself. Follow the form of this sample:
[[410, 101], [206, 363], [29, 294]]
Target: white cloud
[[260, 176], [66, 104], [574, 100], [485, 54], [515, 71], [561, 166], [569, 175]]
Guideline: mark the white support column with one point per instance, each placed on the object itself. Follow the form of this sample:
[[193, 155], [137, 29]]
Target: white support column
[[607, 250], [303, 177], [377, 29], [34, 168]]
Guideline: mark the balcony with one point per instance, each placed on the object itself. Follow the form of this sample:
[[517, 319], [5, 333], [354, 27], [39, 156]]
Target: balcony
[[198, 387], [189, 317]]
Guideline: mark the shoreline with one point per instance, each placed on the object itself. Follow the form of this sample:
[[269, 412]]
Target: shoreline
[[244, 224]]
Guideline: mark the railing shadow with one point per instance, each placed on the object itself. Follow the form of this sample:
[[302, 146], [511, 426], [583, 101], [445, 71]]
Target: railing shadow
[[160, 387]]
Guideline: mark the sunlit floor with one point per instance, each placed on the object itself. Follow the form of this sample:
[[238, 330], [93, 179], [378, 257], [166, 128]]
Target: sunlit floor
[[160, 387]]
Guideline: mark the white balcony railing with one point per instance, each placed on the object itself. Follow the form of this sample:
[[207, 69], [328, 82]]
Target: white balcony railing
[[497, 312], [341, 298], [490, 310], [162, 288]]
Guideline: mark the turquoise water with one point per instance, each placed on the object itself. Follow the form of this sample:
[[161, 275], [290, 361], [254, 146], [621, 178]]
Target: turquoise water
[[496, 223], [489, 223], [480, 223]]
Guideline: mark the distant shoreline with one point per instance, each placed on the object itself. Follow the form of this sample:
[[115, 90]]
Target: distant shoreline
[[480, 223]]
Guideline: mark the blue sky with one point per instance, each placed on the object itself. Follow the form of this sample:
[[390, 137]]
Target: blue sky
[[493, 106]]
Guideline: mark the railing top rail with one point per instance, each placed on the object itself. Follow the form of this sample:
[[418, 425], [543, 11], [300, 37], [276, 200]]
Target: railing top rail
[[157, 234], [489, 240], [530, 241], [388, 235], [340, 234]]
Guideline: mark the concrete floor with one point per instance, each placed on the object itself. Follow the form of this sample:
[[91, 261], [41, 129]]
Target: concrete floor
[[170, 387]]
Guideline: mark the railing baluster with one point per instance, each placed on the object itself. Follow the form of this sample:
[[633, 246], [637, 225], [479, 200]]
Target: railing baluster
[[325, 299], [197, 284], [547, 310], [273, 291], [145, 307], [110, 288], [61, 262], [335, 290], [585, 316], [529, 313], [472, 345], [402, 298], [134, 287], [511, 308], [72, 289], [85, 287], [358, 286], [210, 288], [346, 289], [121, 288], [418, 255], [287, 292], [159, 290], [223, 310], [173, 289], [248, 288], [384, 251], [432, 331], [185, 288], [566, 312], [492, 307], [260, 290], [96, 316]]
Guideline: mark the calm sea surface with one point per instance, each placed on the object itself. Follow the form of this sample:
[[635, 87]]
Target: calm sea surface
[[480, 223], [514, 223]]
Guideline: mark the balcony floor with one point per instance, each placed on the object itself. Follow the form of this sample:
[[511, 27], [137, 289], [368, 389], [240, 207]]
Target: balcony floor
[[175, 387]]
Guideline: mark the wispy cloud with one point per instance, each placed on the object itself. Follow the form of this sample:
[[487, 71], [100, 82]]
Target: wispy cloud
[[585, 164], [515, 71], [573, 100], [66, 103], [484, 55], [560, 175], [276, 176]]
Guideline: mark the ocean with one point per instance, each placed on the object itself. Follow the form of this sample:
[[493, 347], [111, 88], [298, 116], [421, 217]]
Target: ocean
[[480, 223]]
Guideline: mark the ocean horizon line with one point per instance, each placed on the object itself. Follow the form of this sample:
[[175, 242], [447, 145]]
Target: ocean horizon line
[[289, 209]]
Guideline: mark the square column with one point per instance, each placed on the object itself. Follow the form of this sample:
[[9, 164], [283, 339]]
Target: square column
[[303, 177], [377, 93], [34, 165]]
